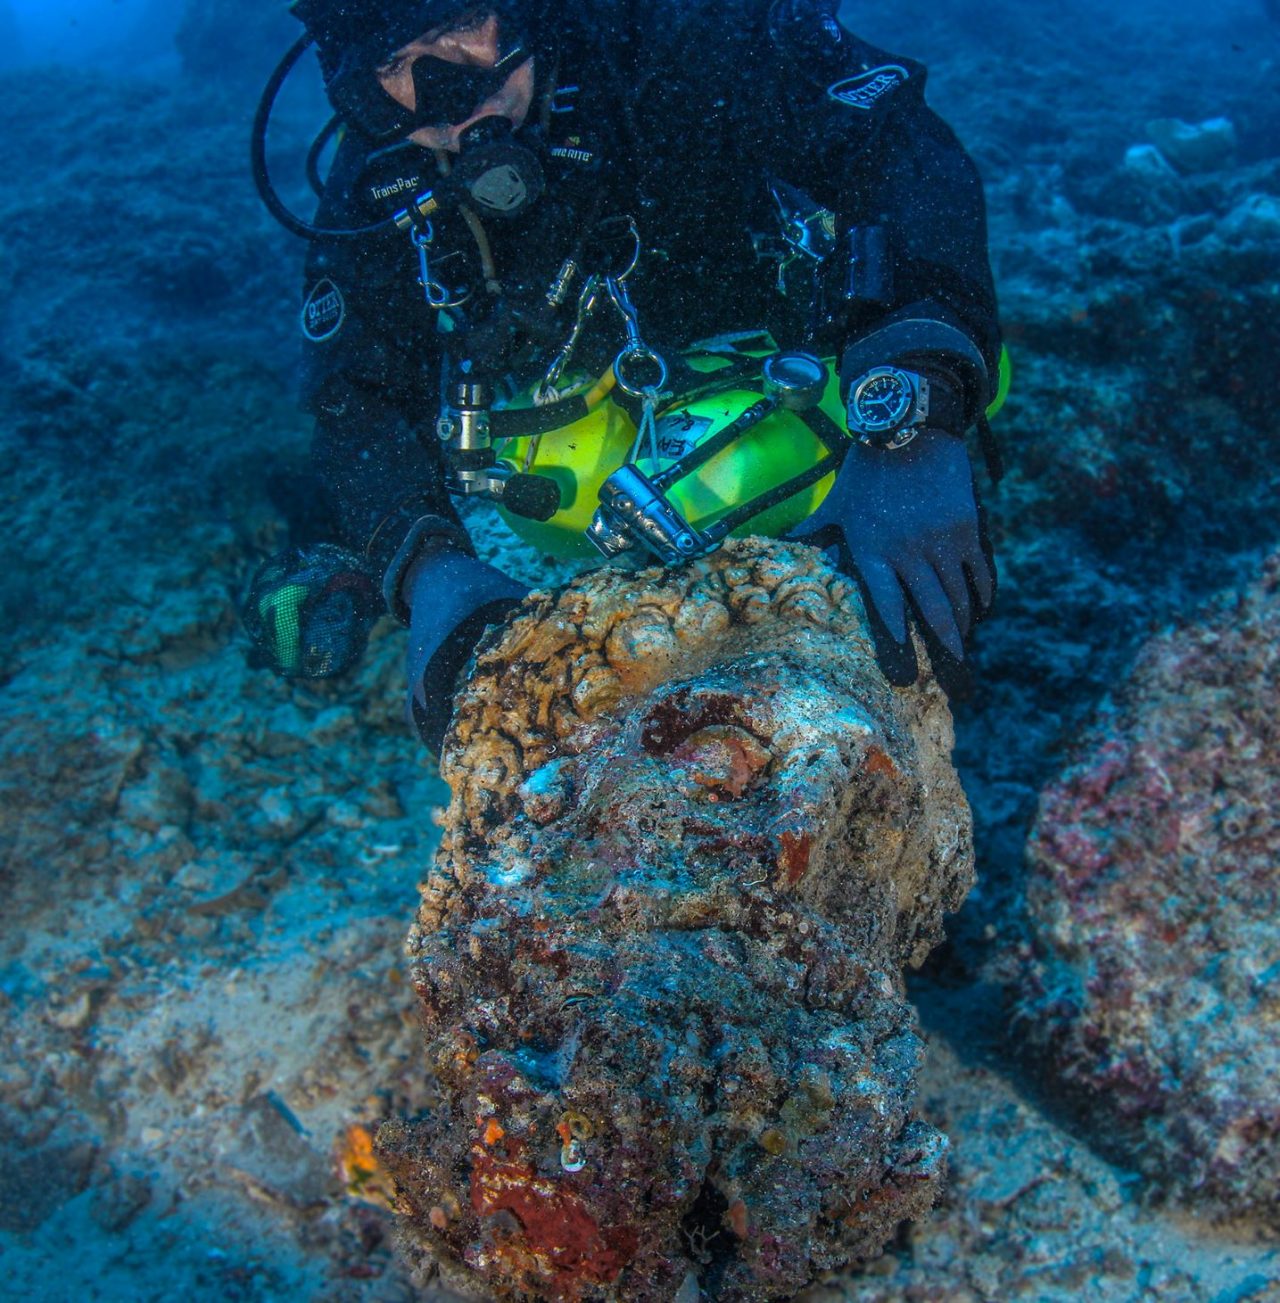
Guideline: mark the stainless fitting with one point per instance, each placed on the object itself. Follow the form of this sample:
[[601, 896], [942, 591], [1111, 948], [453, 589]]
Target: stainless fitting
[[632, 509]]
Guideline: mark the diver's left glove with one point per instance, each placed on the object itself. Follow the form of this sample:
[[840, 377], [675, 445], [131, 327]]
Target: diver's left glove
[[448, 597], [908, 525], [309, 611]]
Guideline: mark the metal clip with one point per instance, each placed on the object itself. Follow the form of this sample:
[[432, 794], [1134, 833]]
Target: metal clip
[[808, 238], [438, 294], [547, 390], [635, 353], [417, 212]]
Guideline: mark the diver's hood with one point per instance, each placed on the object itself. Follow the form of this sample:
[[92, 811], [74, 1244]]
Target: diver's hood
[[365, 33], [353, 38], [368, 31]]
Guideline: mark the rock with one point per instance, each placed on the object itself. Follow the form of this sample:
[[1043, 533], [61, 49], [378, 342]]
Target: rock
[[119, 1200], [275, 1151], [1145, 189], [161, 797], [36, 1181], [280, 816], [286, 732], [71, 1013], [1148, 163], [1155, 991], [1195, 147], [694, 836], [1255, 218]]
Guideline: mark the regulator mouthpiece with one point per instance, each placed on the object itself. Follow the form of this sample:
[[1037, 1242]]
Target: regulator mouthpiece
[[498, 176]]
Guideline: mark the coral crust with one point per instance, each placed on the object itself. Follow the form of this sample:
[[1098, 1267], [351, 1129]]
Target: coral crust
[[694, 837], [1154, 898]]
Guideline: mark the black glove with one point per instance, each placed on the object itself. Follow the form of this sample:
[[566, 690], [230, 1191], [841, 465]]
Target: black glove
[[452, 598], [309, 611], [908, 525]]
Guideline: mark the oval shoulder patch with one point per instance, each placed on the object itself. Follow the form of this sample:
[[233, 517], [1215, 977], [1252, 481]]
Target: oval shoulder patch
[[324, 312]]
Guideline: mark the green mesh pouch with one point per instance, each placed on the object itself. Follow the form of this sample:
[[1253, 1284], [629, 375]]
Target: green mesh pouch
[[309, 610]]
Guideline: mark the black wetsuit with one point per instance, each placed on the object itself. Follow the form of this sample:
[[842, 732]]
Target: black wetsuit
[[683, 112]]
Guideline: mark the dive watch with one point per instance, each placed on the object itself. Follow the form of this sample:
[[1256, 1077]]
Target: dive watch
[[888, 406]]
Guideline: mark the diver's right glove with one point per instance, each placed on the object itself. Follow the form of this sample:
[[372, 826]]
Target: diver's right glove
[[908, 525], [309, 611], [452, 597]]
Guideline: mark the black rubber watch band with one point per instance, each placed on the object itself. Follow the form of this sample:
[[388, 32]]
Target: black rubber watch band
[[946, 403]]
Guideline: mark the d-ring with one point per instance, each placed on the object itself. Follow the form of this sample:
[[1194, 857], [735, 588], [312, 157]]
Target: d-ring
[[633, 357]]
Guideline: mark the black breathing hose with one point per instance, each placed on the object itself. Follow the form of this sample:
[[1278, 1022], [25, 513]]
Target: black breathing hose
[[258, 157], [327, 133]]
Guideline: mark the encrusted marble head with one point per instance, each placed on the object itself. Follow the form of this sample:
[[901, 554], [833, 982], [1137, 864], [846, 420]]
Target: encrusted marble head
[[694, 837]]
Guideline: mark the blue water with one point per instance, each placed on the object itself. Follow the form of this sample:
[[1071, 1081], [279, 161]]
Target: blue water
[[206, 873]]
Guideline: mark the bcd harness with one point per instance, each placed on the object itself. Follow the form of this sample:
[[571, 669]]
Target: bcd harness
[[492, 448]]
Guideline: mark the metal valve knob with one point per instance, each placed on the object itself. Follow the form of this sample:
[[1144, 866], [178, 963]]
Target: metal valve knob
[[795, 381]]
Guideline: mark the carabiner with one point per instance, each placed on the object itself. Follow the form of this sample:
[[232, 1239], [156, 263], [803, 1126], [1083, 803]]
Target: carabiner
[[437, 292], [635, 352], [602, 233]]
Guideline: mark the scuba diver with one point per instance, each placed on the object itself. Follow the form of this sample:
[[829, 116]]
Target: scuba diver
[[723, 244]]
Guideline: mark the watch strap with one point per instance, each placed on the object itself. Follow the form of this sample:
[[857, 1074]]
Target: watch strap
[[946, 403]]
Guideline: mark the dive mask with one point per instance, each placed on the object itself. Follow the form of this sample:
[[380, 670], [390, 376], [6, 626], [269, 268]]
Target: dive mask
[[444, 92]]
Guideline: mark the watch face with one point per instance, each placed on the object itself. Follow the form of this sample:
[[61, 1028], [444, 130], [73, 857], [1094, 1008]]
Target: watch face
[[881, 401]]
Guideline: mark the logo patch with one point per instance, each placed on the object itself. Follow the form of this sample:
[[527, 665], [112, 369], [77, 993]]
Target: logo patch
[[572, 152], [324, 312], [868, 88], [393, 189]]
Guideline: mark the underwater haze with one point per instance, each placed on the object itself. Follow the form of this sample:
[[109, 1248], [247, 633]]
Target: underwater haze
[[115, 34], [207, 872]]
